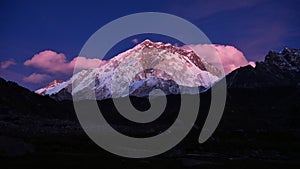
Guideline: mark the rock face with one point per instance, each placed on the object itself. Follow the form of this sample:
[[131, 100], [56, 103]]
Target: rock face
[[277, 70], [147, 66]]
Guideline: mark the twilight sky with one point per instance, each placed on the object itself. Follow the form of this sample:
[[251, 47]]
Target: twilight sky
[[58, 29]]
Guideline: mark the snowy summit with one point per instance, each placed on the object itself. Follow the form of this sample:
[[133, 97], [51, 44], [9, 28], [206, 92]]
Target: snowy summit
[[137, 71]]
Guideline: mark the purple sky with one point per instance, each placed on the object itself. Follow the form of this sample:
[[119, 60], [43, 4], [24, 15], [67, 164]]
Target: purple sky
[[30, 27]]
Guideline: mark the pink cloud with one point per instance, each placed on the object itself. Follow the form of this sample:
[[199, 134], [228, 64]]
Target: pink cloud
[[6, 64], [52, 62], [253, 64], [85, 63], [230, 57], [36, 78], [135, 41]]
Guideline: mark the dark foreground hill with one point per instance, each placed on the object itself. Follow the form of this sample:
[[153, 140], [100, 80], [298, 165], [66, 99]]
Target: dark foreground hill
[[259, 129]]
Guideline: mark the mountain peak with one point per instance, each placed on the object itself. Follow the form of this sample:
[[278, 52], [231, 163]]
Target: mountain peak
[[149, 44], [167, 47], [55, 82], [147, 41], [287, 59], [287, 50]]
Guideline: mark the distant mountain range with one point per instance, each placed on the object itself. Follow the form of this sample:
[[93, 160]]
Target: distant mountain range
[[279, 69]]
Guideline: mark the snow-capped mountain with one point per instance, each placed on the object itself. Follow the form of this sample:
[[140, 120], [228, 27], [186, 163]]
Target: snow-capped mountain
[[147, 66]]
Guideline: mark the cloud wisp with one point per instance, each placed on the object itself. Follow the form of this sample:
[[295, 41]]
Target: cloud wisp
[[36, 78], [135, 41], [5, 64]]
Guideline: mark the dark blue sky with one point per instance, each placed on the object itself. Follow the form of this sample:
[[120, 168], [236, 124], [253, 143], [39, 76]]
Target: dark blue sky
[[29, 27]]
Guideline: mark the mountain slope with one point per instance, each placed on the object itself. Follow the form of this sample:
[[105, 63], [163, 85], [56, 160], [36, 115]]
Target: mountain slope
[[49, 87], [15, 99]]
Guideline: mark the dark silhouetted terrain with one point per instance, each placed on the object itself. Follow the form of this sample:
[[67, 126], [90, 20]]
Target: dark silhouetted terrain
[[259, 129]]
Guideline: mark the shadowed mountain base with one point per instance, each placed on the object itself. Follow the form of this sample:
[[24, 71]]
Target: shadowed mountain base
[[259, 129]]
